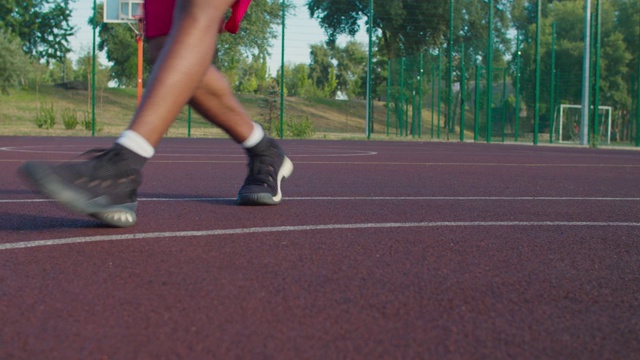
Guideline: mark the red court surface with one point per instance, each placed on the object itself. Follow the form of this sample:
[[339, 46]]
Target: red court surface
[[380, 250]]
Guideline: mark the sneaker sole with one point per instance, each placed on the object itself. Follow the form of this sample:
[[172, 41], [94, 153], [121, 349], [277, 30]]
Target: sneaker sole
[[266, 198], [40, 175]]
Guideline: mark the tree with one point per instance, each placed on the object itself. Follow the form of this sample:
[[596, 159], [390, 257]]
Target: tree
[[256, 33], [62, 71], [13, 63], [42, 26], [406, 26], [321, 67], [569, 19], [351, 65]]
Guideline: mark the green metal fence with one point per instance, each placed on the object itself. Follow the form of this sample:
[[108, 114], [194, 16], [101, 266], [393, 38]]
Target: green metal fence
[[449, 70]]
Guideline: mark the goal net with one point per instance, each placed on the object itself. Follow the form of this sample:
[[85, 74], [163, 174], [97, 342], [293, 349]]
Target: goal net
[[568, 120]]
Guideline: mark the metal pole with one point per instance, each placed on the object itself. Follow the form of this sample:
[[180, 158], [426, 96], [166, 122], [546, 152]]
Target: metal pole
[[463, 90], [433, 99], [476, 108], [596, 84], [450, 73], [388, 95], [490, 72], [536, 112], [139, 42], [552, 102], [439, 90], [517, 129], [402, 100], [420, 95], [93, 70], [189, 121], [504, 102], [282, 74], [638, 102], [586, 60], [369, 69]]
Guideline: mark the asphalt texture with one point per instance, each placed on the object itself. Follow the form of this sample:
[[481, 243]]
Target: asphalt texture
[[379, 250]]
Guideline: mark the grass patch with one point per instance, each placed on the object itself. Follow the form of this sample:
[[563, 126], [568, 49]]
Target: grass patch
[[114, 108]]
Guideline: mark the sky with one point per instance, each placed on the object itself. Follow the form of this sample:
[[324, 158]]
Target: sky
[[302, 31]]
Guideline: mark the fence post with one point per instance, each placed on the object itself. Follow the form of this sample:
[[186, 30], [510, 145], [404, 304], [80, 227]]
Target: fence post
[[369, 69], [504, 102], [490, 72], [463, 90], [552, 102], [586, 62], [189, 121], [596, 75], [433, 99], [476, 108], [94, 59], [638, 102], [517, 129], [282, 75], [388, 95], [536, 111], [450, 121], [439, 90]]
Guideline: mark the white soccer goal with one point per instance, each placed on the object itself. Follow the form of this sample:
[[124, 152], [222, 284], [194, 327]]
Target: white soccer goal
[[568, 118]]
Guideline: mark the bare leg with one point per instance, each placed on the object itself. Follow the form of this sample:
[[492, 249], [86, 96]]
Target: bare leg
[[182, 66], [105, 186], [214, 99]]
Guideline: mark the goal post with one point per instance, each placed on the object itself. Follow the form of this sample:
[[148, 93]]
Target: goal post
[[568, 119]]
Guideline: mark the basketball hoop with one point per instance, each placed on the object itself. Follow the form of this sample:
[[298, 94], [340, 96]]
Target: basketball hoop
[[139, 29], [131, 13]]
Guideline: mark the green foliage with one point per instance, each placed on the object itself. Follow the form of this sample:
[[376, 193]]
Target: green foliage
[[62, 71], [43, 26], [259, 28], [69, 118], [569, 19], [13, 63], [351, 66], [252, 76], [269, 108], [86, 121], [45, 117], [299, 127]]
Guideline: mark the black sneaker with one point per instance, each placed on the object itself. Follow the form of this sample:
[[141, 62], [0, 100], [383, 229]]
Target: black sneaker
[[104, 187], [268, 166]]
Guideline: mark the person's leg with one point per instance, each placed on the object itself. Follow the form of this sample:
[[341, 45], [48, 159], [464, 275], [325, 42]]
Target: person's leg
[[268, 165], [181, 66], [105, 186]]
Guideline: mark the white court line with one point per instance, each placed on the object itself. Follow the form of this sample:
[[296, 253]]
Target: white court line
[[377, 198], [323, 152], [155, 235]]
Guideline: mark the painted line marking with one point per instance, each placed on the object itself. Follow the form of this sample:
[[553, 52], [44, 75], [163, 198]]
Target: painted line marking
[[215, 152], [376, 198], [156, 235], [297, 228]]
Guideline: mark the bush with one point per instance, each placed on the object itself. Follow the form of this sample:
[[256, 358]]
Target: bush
[[69, 119], [300, 128], [86, 121], [46, 117]]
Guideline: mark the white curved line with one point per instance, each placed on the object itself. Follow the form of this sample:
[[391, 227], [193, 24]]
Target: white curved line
[[155, 235], [379, 198]]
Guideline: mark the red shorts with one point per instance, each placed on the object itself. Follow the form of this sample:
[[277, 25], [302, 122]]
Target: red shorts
[[158, 15]]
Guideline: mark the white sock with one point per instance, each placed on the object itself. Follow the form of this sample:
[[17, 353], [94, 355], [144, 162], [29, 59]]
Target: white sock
[[136, 143], [256, 135]]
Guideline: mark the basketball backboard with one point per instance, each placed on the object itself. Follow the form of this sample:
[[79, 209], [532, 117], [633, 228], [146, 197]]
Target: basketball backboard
[[122, 11]]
